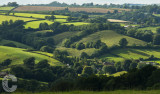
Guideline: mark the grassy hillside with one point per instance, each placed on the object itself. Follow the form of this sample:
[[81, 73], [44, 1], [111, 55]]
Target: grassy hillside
[[153, 29], [38, 15], [103, 92], [19, 45], [60, 37], [128, 53], [17, 55], [7, 18], [77, 53], [111, 38], [35, 24]]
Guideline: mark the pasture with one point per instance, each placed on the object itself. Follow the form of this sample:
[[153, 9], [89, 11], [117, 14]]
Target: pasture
[[153, 29], [6, 8], [42, 16], [19, 45], [96, 92], [76, 23], [35, 24], [111, 38], [128, 53], [7, 18], [17, 56], [77, 53]]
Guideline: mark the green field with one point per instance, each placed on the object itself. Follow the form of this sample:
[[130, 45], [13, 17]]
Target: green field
[[7, 18], [19, 45], [128, 53], [60, 37], [153, 29], [35, 24], [111, 38], [77, 53], [17, 55], [6, 8], [103, 92], [77, 23], [39, 15]]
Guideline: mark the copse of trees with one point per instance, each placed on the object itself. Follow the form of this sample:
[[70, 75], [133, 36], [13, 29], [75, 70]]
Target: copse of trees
[[50, 18], [123, 42]]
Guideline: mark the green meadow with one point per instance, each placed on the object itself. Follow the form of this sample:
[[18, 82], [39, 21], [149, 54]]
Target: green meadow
[[6, 8], [17, 56], [35, 24], [111, 38], [19, 45], [42, 16], [7, 18], [128, 53], [153, 29]]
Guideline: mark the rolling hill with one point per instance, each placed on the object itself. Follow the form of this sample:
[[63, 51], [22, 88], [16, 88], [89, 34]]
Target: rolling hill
[[17, 56], [111, 38]]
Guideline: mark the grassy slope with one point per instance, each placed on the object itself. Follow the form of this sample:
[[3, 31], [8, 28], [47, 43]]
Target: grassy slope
[[132, 54], [4, 18], [111, 38], [35, 24], [103, 92], [60, 37], [77, 53], [19, 45], [18, 55], [153, 29]]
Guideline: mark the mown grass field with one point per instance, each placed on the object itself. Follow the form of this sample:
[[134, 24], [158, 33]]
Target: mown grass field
[[111, 38], [128, 53], [6, 8], [7, 18], [153, 29], [17, 55], [19, 45], [96, 92]]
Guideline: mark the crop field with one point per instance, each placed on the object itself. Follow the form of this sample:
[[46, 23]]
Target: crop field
[[96, 92], [153, 29], [38, 8], [19, 45], [35, 24], [7, 18], [6, 8], [17, 55], [117, 21], [42, 16], [73, 9], [77, 53], [111, 38]]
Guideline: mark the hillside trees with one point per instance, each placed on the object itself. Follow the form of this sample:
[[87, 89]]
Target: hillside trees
[[156, 40], [123, 42]]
